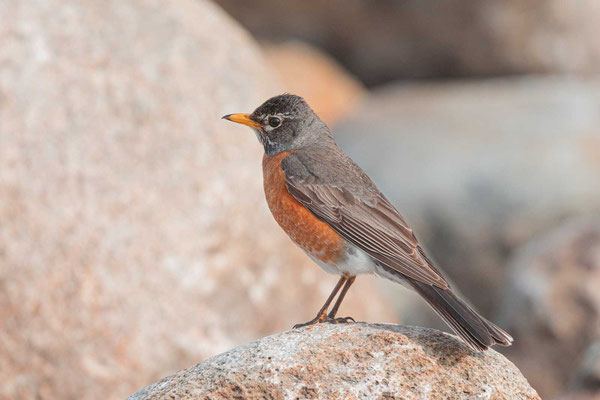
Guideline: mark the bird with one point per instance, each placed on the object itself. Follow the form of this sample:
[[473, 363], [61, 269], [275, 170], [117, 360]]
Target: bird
[[333, 211]]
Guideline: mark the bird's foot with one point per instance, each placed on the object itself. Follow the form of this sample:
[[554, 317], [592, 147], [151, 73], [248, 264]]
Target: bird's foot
[[319, 319], [323, 317], [340, 320]]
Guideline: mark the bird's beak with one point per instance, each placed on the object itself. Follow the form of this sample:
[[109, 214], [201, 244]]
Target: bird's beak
[[243, 119]]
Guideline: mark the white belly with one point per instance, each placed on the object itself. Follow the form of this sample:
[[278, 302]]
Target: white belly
[[358, 262], [354, 262]]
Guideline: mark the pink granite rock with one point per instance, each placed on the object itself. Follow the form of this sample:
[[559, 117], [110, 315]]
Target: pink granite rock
[[134, 238], [356, 361]]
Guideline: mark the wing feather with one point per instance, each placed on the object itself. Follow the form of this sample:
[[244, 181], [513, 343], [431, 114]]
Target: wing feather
[[371, 223]]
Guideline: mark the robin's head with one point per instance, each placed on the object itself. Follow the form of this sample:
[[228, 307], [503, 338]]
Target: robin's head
[[283, 123]]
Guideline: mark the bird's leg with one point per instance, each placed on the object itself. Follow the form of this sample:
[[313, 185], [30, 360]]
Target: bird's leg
[[331, 316], [322, 314]]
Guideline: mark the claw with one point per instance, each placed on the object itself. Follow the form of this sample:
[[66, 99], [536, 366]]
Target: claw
[[325, 318], [322, 317], [346, 280], [342, 320], [311, 322]]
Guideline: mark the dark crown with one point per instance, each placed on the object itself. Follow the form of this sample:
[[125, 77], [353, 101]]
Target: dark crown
[[283, 104]]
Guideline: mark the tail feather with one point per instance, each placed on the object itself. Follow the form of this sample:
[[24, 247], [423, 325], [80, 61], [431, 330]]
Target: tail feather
[[475, 330]]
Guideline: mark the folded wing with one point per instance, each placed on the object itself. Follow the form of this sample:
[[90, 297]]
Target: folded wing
[[370, 223]]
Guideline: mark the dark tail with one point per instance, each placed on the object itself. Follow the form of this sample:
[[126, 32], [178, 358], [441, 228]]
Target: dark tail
[[475, 330]]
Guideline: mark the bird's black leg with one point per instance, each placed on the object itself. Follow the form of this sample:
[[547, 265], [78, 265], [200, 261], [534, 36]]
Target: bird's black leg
[[331, 316], [322, 314]]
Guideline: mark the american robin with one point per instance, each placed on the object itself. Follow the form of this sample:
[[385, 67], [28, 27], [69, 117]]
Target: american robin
[[335, 213]]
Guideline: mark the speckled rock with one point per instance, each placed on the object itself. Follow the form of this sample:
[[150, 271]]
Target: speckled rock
[[134, 235], [358, 361]]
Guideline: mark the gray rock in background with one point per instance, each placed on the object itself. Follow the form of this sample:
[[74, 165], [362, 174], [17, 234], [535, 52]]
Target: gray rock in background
[[579, 396], [389, 40], [358, 361], [479, 168], [134, 238], [551, 305], [587, 376]]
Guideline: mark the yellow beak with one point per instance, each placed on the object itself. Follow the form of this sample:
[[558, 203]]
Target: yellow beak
[[243, 119]]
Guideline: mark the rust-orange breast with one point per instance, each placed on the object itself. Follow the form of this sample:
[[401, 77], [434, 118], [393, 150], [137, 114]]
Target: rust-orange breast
[[311, 234]]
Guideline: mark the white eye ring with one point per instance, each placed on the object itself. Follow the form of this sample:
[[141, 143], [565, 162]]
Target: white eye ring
[[274, 121]]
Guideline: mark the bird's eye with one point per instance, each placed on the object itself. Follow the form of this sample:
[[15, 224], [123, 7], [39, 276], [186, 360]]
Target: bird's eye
[[274, 121]]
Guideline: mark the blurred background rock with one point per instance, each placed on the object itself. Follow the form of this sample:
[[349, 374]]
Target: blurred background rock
[[551, 304], [126, 255], [134, 236], [383, 40]]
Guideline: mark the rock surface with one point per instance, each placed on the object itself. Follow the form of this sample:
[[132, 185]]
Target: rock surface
[[134, 237], [390, 40], [480, 168], [552, 308], [358, 361]]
